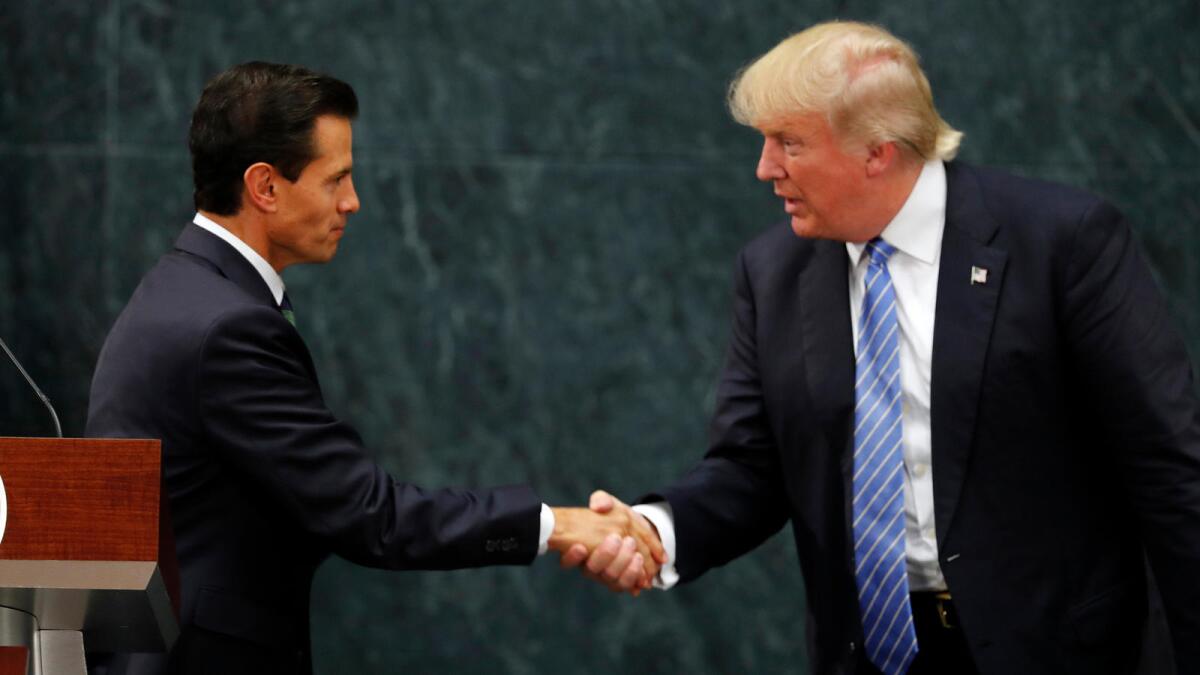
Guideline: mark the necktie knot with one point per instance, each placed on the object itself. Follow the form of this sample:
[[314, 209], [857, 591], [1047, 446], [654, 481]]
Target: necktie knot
[[879, 251]]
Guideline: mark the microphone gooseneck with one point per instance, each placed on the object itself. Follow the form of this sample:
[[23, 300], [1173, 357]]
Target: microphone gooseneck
[[46, 401]]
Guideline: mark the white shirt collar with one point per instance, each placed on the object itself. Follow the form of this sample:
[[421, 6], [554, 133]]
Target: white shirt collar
[[918, 226], [268, 273]]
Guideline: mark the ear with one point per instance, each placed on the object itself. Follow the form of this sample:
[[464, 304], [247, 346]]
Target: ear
[[881, 157], [259, 187]]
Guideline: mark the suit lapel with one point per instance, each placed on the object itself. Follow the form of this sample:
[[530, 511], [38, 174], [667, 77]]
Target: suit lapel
[[966, 308], [226, 261], [824, 308]]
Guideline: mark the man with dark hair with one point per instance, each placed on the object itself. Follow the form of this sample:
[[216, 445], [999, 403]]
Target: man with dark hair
[[264, 482], [258, 112]]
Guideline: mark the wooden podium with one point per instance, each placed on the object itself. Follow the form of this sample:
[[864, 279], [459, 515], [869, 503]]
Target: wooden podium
[[80, 550]]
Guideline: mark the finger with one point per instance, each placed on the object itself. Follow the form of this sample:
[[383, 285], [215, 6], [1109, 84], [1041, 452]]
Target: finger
[[618, 564], [648, 554], [601, 502], [649, 536], [631, 577], [651, 568], [601, 580], [603, 556], [573, 556]]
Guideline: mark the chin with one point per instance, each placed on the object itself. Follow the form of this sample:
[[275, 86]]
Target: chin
[[323, 257], [805, 228]]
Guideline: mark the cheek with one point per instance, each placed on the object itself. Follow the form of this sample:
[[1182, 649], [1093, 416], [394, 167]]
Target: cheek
[[836, 188], [804, 174], [315, 207]]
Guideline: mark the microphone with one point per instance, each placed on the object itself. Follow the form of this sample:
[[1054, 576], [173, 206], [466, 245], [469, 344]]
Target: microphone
[[53, 415]]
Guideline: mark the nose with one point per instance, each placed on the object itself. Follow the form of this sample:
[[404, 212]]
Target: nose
[[769, 166], [348, 203]]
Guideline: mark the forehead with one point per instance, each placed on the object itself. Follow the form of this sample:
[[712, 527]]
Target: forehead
[[331, 137], [809, 124]]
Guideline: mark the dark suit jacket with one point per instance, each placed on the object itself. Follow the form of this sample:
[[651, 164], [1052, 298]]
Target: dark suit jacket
[[1064, 423], [264, 481]]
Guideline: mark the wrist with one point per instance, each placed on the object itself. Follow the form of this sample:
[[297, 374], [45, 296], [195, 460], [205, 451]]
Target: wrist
[[564, 516]]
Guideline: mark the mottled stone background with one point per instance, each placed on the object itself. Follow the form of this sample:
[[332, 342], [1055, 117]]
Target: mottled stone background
[[536, 288]]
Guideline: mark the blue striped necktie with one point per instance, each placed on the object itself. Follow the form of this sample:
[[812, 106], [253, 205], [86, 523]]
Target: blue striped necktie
[[889, 638]]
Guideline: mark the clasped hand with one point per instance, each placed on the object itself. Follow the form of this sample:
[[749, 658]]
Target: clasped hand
[[615, 545]]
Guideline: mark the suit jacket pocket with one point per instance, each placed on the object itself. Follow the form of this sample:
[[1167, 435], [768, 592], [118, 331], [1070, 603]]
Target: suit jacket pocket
[[223, 612], [1104, 617]]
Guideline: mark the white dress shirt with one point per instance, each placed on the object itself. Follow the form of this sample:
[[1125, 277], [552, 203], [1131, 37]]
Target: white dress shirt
[[268, 273], [275, 283], [916, 232]]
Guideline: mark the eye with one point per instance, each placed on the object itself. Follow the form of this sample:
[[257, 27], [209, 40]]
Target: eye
[[792, 144]]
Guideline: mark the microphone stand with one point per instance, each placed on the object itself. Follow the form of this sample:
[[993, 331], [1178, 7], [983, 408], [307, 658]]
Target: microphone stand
[[46, 401]]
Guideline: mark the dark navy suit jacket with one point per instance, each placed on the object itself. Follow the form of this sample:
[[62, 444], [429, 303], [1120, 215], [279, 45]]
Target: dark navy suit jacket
[[1064, 425], [264, 482]]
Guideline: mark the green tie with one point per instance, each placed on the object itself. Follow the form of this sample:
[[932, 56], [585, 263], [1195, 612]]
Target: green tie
[[285, 308]]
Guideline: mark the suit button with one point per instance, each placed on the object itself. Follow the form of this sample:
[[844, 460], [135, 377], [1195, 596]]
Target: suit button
[[851, 647], [509, 545], [490, 547]]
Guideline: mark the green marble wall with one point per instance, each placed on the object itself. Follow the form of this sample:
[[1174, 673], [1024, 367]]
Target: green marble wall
[[536, 287]]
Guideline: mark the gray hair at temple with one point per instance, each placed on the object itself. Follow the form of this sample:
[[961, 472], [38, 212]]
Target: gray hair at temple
[[866, 81]]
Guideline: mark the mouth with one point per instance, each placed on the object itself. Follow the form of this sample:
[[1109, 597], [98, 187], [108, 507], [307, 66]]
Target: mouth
[[792, 205]]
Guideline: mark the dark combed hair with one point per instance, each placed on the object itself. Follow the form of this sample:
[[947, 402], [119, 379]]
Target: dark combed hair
[[258, 112]]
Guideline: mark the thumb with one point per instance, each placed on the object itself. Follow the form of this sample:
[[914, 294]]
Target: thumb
[[601, 502]]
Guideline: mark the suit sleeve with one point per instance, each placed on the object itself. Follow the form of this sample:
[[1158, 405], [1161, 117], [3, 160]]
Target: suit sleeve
[[263, 412], [734, 499], [1134, 366]]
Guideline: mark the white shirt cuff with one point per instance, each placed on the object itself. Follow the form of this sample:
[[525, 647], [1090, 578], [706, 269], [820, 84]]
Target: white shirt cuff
[[547, 528], [663, 519]]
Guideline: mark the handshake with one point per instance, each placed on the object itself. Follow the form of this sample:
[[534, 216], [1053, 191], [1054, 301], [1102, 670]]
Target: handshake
[[615, 545]]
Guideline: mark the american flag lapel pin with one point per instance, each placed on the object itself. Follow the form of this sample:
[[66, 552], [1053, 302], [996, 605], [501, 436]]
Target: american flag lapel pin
[[978, 275]]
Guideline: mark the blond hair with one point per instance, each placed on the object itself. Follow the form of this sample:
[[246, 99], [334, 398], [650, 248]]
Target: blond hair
[[866, 81]]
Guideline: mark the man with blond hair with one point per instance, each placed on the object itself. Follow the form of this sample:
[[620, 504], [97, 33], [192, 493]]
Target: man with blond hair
[[961, 388]]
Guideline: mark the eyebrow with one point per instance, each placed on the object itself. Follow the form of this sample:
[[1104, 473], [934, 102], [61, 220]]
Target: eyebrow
[[783, 134], [780, 130]]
